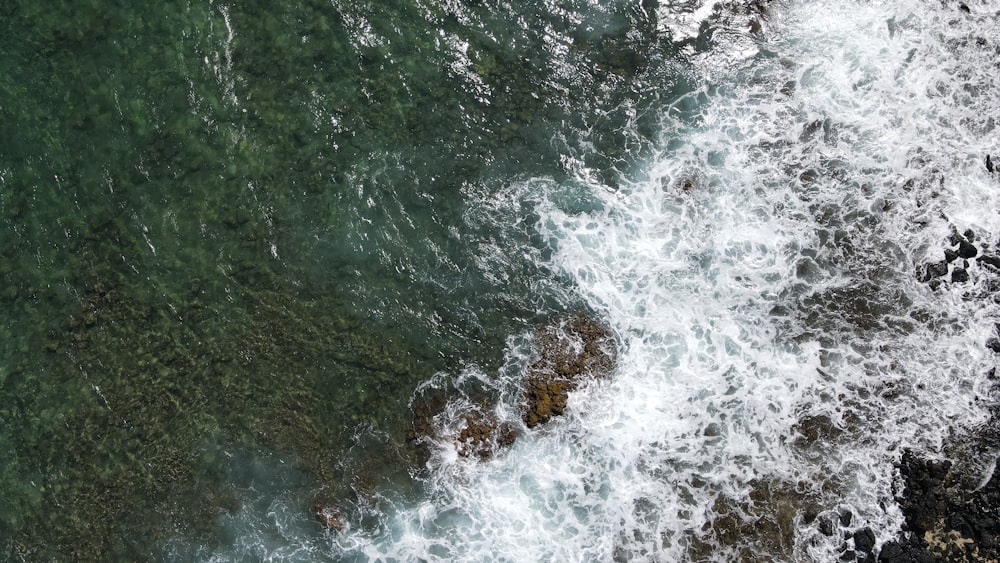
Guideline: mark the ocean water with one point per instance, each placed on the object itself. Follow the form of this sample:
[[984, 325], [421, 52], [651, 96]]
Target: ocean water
[[243, 241]]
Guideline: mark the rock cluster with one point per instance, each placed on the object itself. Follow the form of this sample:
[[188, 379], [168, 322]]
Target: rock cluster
[[482, 434], [963, 251], [478, 432]]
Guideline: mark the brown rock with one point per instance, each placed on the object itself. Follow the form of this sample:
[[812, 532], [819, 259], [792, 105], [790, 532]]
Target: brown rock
[[329, 517], [570, 350]]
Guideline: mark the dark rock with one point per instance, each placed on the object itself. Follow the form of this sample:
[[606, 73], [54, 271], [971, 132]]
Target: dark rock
[[950, 255], [934, 270], [946, 520], [328, 516], [817, 429], [966, 249], [763, 525], [826, 527], [891, 551], [969, 235], [991, 261], [895, 552], [962, 6], [959, 275], [921, 502], [989, 164], [993, 345], [480, 434], [864, 540]]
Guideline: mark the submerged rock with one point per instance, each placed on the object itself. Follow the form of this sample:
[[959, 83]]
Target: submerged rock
[[760, 526], [482, 435], [570, 351], [329, 517], [991, 261]]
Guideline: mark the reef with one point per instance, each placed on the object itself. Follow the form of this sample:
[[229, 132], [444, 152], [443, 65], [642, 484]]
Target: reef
[[472, 429], [951, 504]]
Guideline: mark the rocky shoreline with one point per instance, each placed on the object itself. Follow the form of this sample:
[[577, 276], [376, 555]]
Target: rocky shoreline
[[951, 506]]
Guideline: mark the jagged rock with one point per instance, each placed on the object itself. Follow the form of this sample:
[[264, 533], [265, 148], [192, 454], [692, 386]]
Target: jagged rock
[[895, 552], [482, 435], [761, 526], [329, 517], [966, 249], [812, 430], [933, 271], [959, 275], [945, 521], [569, 350], [478, 432], [991, 261], [864, 540]]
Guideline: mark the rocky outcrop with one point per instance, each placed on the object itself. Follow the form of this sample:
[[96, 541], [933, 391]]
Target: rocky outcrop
[[473, 430], [481, 435], [962, 255], [945, 521], [570, 351], [328, 516]]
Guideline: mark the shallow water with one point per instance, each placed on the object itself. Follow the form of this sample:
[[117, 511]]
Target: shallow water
[[241, 241]]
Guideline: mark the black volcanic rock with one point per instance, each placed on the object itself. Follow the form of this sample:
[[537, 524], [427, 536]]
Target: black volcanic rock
[[944, 520], [991, 261], [934, 270], [966, 249]]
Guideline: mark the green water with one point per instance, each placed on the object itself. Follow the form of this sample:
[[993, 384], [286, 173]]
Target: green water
[[242, 227]]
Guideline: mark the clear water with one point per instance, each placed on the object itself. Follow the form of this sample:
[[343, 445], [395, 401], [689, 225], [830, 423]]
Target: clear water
[[240, 240]]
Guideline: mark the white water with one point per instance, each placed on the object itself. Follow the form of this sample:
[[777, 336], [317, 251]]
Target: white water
[[779, 286]]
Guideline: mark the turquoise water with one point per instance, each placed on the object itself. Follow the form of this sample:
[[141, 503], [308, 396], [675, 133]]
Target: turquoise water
[[238, 231]]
